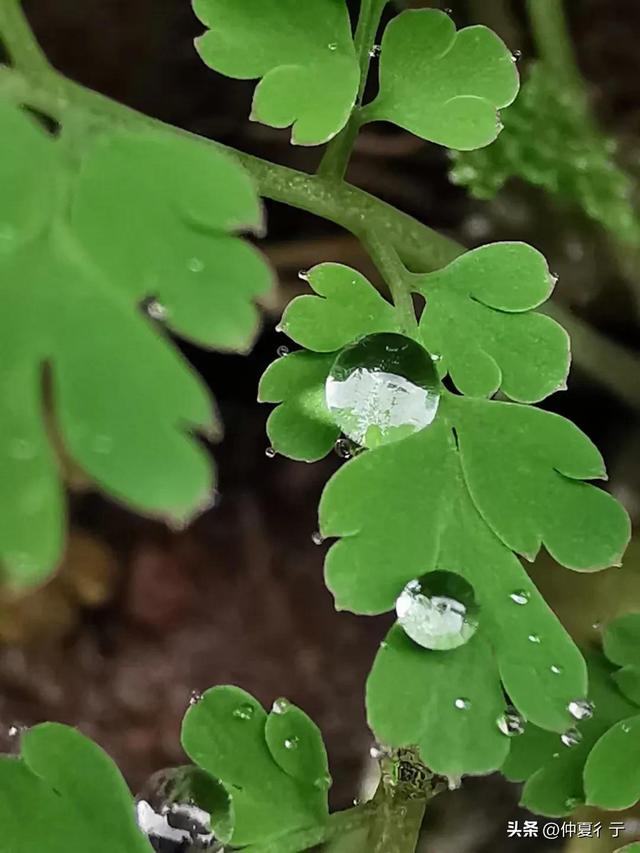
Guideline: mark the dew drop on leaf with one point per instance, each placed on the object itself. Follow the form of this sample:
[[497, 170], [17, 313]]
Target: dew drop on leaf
[[344, 448], [244, 712], [438, 611], [270, 453], [516, 55], [317, 538], [303, 275], [195, 697], [196, 265], [323, 783], [280, 706], [333, 45], [556, 670], [511, 723], [533, 638], [282, 351], [462, 704], [383, 388], [571, 737], [581, 709], [626, 728], [156, 310], [375, 51], [520, 597], [291, 743]]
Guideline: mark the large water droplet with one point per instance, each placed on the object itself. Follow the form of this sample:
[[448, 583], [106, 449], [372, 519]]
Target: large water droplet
[[511, 723], [462, 704], [383, 388], [571, 737], [581, 709], [280, 706], [244, 712], [438, 611], [520, 597]]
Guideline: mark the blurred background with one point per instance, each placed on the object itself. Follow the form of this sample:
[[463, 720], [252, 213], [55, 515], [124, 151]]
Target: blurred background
[[139, 616]]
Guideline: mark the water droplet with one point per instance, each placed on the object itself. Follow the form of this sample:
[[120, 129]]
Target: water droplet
[[196, 696], [196, 265], [291, 743], [454, 783], [102, 443], [344, 448], [581, 709], [317, 538], [438, 611], [572, 803], [270, 453], [626, 728], [156, 310], [14, 731], [375, 51], [280, 706], [520, 597], [448, 12], [378, 752], [282, 351], [462, 704], [244, 712], [333, 45], [511, 723], [516, 55], [534, 638], [22, 449], [382, 388], [303, 275], [571, 737], [555, 669], [597, 626], [323, 782]]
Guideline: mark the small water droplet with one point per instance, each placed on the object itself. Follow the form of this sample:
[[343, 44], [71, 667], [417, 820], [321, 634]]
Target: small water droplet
[[279, 328], [281, 706], [516, 55], [581, 709], [571, 737], [462, 704], [244, 712], [323, 782], [291, 742], [597, 626], [554, 277], [384, 645], [438, 611], [317, 538], [282, 351], [333, 45], [22, 449], [375, 51], [534, 638], [196, 265], [344, 448], [303, 275], [555, 669], [626, 728], [378, 752], [454, 783], [382, 388], [102, 443], [270, 453], [156, 310], [448, 11], [196, 696], [14, 731], [520, 597], [511, 723]]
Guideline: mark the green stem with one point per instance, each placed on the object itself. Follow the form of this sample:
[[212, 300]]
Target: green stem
[[387, 260], [35, 83], [553, 40], [336, 158], [339, 825]]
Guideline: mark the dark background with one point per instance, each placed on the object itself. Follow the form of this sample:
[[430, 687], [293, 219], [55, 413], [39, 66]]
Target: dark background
[[139, 616]]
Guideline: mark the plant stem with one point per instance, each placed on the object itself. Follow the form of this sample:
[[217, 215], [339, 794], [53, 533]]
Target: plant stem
[[36, 83], [387, 260], [551, 33], [339, 824], [336, 158]]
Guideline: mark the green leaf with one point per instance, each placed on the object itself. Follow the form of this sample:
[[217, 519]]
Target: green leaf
[[64, 793], [402, 511], [301, 427], [229, 735], [479, 318], [630, 848], [612, 771], [411, 701], [621, 639], [553, 771], [524, 469], [203, 277], [86, 254], [443, 85], [628, 681], [550, 140], [303, 51], [346, 307]]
